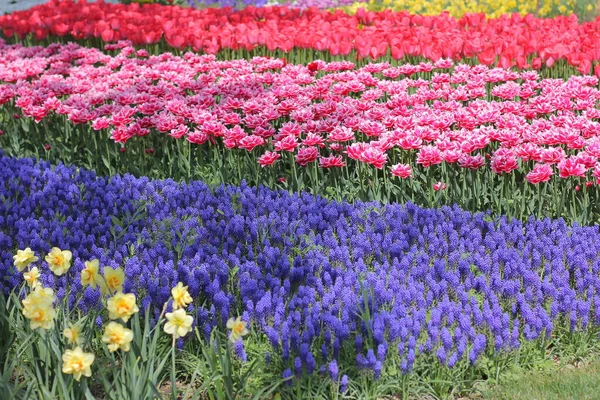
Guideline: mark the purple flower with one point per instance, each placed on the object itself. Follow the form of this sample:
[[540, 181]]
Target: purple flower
[[287, 376], [240, 352], [443, 280], [333, 370], [344, 384]]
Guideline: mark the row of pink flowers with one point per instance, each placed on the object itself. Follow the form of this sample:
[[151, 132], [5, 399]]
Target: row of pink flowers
[[327, 113], [507, 41]]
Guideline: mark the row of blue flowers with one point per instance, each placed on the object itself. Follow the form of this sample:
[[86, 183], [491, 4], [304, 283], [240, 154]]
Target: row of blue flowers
[[317, 278]]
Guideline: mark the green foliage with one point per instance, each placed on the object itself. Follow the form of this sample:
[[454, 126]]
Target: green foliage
[[223, 376], [138, 373], [39, 356], [559, 383], [12, 386]]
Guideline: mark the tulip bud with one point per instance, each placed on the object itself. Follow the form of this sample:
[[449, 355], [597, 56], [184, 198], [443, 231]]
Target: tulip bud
[[439, 186], [47, 147]]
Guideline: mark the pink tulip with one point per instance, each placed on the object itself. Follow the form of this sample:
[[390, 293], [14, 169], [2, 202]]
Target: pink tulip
[[402, 170], [332, 161], [539, 173], [307, 155], [268, 158], [571, 167], [439, 186]]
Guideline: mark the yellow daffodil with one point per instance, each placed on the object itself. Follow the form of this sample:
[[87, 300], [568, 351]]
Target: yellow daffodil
[[59, 260], [73, 334], [122, 306], [40, 296], [38, 309], [178, 323], [238, 329], [32, 277], [23, 258], [113, 279], [90, 275], [40, 316], [77, 363], [116, 336], [181, 296]]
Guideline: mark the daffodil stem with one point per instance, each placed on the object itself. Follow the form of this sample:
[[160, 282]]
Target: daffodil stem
[[173, 384], [162, 313]]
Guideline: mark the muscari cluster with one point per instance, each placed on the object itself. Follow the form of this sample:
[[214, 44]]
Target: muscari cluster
[[316, 278]]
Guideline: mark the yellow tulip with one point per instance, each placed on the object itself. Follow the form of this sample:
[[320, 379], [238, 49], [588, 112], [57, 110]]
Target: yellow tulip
[[59, 260], [77, 363], [458, 8], [122, 306], [178, 323], [23, 258], [116, 336], [181, 296]]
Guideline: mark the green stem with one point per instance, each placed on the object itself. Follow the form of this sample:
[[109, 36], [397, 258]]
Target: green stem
[[173, 382]]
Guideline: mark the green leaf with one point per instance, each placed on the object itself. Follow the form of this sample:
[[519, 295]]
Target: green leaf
[[116, 221], [106, 163]]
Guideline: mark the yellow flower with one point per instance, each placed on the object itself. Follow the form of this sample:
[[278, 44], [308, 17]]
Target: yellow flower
[[23, 258], [38, 309], [116, 336], [89, 275], [40, 316], [181, 296], [78, 363], [114, 279], [179, 323], [73, 334], [59, 260], [457, 8], [31, 277], [122, 306], [40, 297], [238, 329]]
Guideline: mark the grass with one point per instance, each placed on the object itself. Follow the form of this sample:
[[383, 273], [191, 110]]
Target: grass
[[563, 383]]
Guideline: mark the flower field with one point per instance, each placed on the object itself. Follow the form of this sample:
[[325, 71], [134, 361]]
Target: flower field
[[373, 285], [296, 201], [471, 129], [300, 35]]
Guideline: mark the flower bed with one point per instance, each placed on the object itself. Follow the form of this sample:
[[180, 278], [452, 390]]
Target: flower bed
[[505, 41], [301, 270], [328, 126], [237, 266], [492, 8]]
